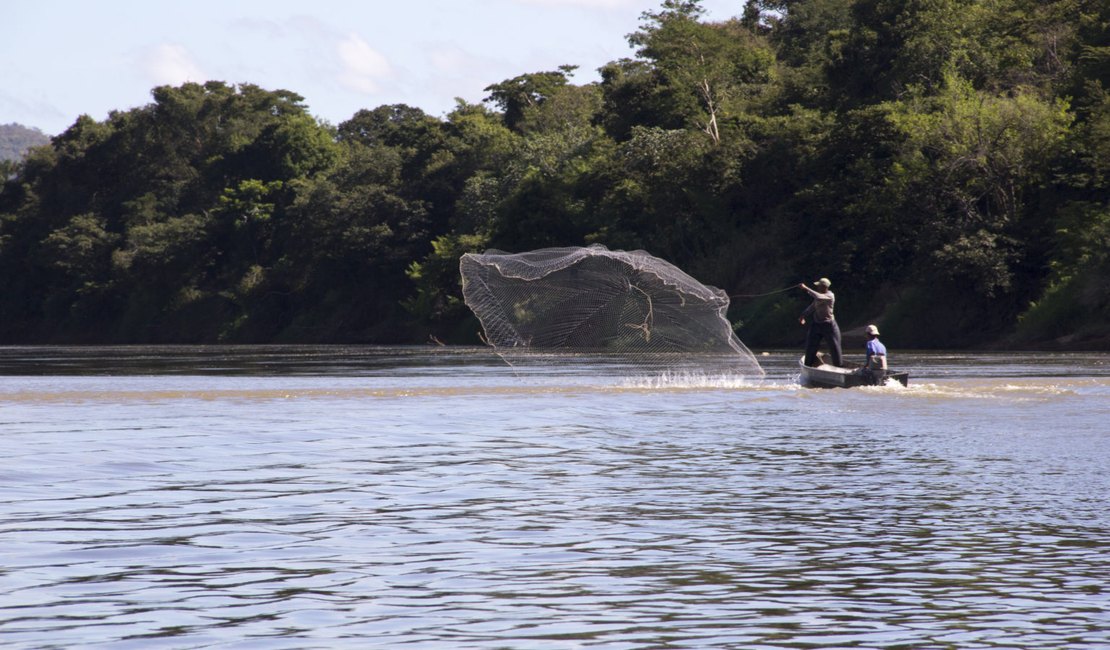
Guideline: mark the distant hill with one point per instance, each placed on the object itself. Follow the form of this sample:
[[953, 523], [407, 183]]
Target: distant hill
[[15, 139]]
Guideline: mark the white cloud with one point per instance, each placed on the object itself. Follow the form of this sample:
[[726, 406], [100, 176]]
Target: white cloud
[[170, 63], [362, 66]]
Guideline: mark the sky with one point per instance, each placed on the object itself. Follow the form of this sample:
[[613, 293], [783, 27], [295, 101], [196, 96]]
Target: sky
[[65, 58]]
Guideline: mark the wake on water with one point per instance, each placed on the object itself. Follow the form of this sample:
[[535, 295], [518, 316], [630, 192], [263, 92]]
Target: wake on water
[[696, 380], [692, 380]]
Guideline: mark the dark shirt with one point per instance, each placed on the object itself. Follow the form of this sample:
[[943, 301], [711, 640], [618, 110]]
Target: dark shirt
[[822, 307]]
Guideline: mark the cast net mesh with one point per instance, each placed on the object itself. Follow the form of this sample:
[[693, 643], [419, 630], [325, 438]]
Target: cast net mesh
[[596, 300]]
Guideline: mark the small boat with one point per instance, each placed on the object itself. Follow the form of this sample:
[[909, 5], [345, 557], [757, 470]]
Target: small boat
[[828, 376]]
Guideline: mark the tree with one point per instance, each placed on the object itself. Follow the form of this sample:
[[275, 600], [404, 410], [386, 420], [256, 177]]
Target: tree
[[703, 67], [951, 156], [514, 96], [971, 157]]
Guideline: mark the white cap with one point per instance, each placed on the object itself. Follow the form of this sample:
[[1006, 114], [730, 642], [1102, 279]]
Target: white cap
[[872, 330]]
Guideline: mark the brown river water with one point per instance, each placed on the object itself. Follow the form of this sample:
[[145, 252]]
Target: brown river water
[[333, 497]]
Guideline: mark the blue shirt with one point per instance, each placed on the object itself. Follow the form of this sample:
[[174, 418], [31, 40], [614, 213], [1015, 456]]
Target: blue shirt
[[875, 346]]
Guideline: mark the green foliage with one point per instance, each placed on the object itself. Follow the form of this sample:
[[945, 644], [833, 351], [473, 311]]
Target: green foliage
[[1077, 300], [703, 72], [945, 162], [437, 301], [79, 247], [971, 159], [517, 95]]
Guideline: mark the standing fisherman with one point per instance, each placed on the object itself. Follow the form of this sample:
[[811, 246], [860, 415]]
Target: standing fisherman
[[823, 323]]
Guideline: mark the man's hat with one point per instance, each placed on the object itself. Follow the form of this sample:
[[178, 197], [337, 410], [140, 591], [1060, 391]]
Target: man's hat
[[823, 282], [872, 330]]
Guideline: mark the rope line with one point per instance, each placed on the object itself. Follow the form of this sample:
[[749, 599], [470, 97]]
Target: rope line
[[761, 295]]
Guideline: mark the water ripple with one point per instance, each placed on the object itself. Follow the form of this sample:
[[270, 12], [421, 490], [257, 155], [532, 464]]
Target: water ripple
[[709, 516]]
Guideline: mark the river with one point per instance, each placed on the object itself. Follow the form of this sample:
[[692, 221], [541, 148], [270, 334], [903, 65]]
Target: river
[[424, 497]]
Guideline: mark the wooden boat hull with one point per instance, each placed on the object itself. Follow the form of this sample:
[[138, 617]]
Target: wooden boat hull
[[826, 376]]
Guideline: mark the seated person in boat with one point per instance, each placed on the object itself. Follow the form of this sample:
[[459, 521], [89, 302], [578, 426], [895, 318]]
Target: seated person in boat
[[875, 366]]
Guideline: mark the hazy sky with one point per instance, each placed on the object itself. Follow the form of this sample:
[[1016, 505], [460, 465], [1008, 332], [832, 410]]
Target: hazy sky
[[62, 58]]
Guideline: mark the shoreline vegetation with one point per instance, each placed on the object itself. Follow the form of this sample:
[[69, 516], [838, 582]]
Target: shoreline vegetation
[[947, 164]]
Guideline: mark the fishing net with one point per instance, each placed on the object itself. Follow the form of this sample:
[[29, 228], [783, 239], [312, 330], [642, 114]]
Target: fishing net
[[596, 300]]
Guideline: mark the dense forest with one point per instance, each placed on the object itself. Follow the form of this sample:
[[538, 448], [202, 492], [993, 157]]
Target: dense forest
[[945, 162]]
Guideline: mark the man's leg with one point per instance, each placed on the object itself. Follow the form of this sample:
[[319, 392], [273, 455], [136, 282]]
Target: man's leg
[[813, 341], [834, 343]]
